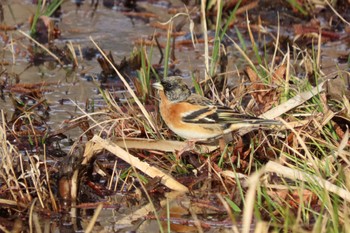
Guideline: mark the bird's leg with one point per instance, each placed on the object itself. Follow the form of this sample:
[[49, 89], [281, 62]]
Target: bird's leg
[[190, 145], [222, 144]]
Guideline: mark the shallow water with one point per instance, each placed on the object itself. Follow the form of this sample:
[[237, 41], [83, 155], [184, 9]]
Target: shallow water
[[115, 32], [110, 29]]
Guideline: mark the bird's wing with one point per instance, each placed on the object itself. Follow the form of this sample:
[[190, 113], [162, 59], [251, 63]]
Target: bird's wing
[[204, 111], [213, 114], [228, 115], [217, 114], [207, 115]]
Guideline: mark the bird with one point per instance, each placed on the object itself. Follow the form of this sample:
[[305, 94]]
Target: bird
[[195, 117]]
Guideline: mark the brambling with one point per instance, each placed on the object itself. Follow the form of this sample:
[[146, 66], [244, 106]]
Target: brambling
[[194, 117]]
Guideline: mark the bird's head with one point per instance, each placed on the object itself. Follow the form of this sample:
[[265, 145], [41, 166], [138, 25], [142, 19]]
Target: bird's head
[[175, 89]]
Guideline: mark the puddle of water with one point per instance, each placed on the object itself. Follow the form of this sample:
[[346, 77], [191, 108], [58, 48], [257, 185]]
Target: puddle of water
[[112, 31]]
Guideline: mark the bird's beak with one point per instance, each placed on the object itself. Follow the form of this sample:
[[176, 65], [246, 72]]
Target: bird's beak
[[158, 86]]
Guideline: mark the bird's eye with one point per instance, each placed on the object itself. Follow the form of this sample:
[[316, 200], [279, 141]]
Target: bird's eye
[[166, 85]]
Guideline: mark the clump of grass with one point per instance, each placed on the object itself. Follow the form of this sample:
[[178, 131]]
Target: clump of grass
[[44, 9], [21, 176], [306, 201], [296, 202], [293, 179]]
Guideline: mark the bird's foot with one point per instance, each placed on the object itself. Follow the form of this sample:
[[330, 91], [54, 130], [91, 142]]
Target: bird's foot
[[190, 145]]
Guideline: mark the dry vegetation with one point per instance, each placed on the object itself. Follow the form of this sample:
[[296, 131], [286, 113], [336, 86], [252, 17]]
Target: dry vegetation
[[292, 178]]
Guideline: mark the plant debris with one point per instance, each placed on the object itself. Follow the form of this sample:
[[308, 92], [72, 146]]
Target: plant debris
[[112, 165]]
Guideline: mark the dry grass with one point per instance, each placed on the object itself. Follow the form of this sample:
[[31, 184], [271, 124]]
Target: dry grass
[[293, 178]]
